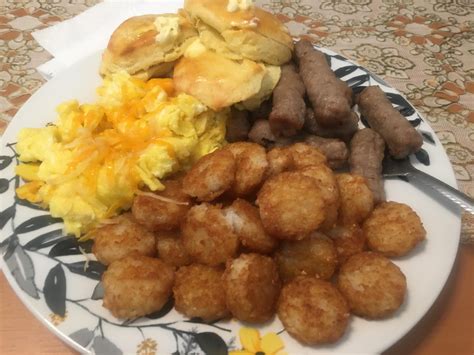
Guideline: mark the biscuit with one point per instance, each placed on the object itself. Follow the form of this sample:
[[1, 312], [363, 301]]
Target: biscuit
[[135, 46], [253, 33], [216, 81]]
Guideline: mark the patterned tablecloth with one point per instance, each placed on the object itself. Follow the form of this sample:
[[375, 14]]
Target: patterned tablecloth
[[423, 48]]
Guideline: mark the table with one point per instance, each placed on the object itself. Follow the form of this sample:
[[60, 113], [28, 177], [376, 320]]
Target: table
[[424, 48]]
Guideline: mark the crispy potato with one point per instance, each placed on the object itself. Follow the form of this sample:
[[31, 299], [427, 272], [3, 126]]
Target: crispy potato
[[208, 236], [245, 219], [169, 245], [326, 180], [313, 311], [373, 285], [279, 160], [211, 176], [122, 237], [293, 157], [305, 155], [252, 287], [313, 256], [251, 166], [291, 206], [162, 214], [393, 229], [357, 201], [199, 292], [348, 240], [136, 286]]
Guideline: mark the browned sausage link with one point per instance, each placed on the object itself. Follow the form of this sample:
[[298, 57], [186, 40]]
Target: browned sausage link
[[330, 97], [367, 151], [262, 134], [262, 112], [344, 132], [289, 108], [335, 150], [237, 126], [401, 138]]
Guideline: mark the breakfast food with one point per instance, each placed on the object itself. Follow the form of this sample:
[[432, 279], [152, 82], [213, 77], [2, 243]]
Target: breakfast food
[[367, 152], [348, 240], [170, 248], [357, 201], [211, 176], [91, 162], [121, 237], [291, 206], [245, 220], [313, 311], [252, 287], [288, 111], [326, 180], [393, 229], [314, 256], [148, 46], [237, 126], [198, 292], [262, 134], [236, 220], [163, 210], [216, 81], [251, 167], [373, 285], [245, 30], [330, 97], [335, 150], [136, 286], [208, 236], [401, 138], [343, 132]]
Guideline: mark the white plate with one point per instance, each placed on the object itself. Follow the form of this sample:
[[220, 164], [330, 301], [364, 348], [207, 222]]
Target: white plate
[[48, 282]]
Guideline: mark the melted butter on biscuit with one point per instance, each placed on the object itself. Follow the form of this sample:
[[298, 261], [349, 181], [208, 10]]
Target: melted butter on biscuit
[[195, 49], [235, 5], [252, 23], [167, 28]]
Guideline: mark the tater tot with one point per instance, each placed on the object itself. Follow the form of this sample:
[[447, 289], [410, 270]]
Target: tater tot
[[136, 286], [291, 206], [348, 240], [356, 199], [393, 229], [245, 219], [252, 287], [279, 160], [293, 157], [251, 166], [121, 237], [199, 292], [327, 182], [156, 213], [169, 245], [306, 155], [373, 285], [313, 256], [208, 236], [211, 176], [313, 311]]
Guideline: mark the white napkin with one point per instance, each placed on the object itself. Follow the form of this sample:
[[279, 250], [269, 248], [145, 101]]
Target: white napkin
[[89, 32]]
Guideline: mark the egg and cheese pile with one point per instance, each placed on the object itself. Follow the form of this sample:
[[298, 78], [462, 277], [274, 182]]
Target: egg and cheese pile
[[90, 164]]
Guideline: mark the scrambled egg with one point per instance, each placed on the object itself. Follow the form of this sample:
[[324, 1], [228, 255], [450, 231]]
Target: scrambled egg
[[91, 162]]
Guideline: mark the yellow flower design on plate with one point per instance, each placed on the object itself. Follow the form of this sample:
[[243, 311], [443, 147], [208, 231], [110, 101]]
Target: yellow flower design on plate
[[56, 319], [147, 347], [253, 344]]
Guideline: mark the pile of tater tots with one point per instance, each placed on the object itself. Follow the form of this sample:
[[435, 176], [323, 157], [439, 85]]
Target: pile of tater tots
[[250, 233]]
